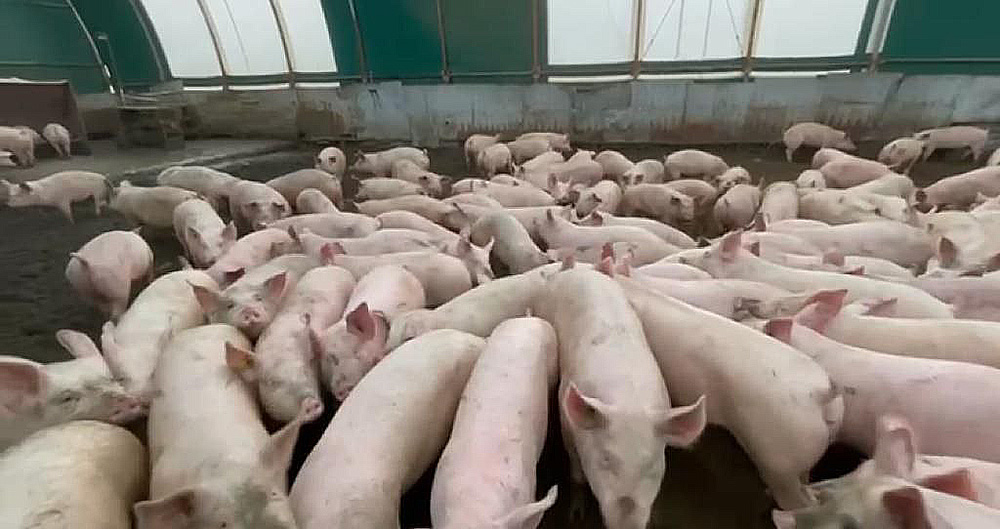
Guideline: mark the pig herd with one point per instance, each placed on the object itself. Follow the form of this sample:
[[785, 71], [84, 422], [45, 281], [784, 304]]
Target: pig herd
[[650, 297]]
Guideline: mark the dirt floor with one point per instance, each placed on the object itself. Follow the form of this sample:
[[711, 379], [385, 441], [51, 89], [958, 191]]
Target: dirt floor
[[712, 486]]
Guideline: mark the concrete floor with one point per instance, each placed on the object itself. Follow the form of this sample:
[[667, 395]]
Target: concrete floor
[[106, 158]]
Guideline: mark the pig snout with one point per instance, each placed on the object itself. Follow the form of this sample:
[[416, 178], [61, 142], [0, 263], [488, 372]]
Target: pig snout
[[252, 320], [311, 409], [625, 513], [127, 408]]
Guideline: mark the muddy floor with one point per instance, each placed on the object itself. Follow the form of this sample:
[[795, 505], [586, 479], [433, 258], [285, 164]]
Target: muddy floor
[[712, 486]]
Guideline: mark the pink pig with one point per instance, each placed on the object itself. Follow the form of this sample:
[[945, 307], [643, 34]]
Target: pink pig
[[106, 270]]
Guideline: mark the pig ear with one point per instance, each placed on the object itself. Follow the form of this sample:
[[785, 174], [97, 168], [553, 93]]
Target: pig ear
[[23, 383], [275, 286], [597, 218], [683, 425], [76, 343], [82, 259], [229, 232], [895, 448], [276, 455], [833, 257], [530, 515], [176, 510], [239, 359], [730, 246], [231, 276], [330, 250], [821, 308], [208, 299], [906, 506], [780, 329], [583, 411], [364, 323], [783, 519], [947, 252], [957, 483]]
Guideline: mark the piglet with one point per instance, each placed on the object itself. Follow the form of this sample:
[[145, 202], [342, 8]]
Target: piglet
[[957, 137], [312, 200], [414, 173], [811, 179], [614, 408], [149, 206], [213, 463], [475, 144], [210, 183], [961, 190], [380, 188], [901, 154], [430, 208], [614, 163], [249, 251], [486, 474], [495, 159], [106, 269], [390, 240], [516, 196], [737, 207], [59, 138], [647, 171], [815, 135], [251, 302], [848, 172], [508, 241], [34, 396], [293, 183], [380, 163], [890, 184], [83, 474], [350, 348], [557, 141], [667, 233], [332, 160], [442, 276], [561, 233], [19, 142], [354, 477], [780, 202], [335, 224], [660, 202], [254, 205], [894, 241], [201, 232], [730, 178], [603, 196], [61, 190], [693, 163], [523, 149]]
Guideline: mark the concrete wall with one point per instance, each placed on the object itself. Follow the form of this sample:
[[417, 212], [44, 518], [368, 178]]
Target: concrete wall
[[870, 106]]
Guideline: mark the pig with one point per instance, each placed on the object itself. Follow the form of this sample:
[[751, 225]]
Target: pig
[[201, 232], [902, 244], [483, 480], [834, 261], [994, 158], [512, 244], [442, 276], [825, 155], [167, 306], [409, 171], [475, 144], [349, 349], [744, 397], [559, 233], [251, 302], [61, 190], [530, 217], [670, 270], [960, 191], [890, 184], [737, 208], [957, 137], [923, 390], [727, 259], [768, 242], [495, 159], [667, 233], [250, 251], [901, 154], [556, 141], [875, 324], [200, 477], [579, 171], [106, 270], [811, 179], [603, 196], [476, 258], [646, 171], [149, 206], [985, 203], [896, 454], [976, 254], [379, 188], [337, 224], [390, 240], [59, 138], [333, 161], [730, 178], [36, 138], [659, 202], [467, 185], [525, 149], [516, 197], [476, 312], [34, 396], [293, 183], [974, 298], [614, 163], [730, 298], [814, 134], [411, 221], [253, 205], [84, 474], [210, 183], [703, 193], [427, 207], [314, 201], [614, 409], [284, 367], [357, 472], [851, 172], [693, 163], [837, 206], [483, 200], [780, 202], [19, 142], [538, 163], [380, 163], [505, 179]]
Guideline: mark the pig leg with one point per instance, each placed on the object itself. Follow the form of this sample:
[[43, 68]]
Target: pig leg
[[578, 480], [67, 210], [976, 150], [928, 151]]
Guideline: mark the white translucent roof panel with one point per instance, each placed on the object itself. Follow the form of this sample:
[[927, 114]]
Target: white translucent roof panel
[[809, 28], [182, 32], [310, 38], [679, 30], [249, 36], [590, 31]]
